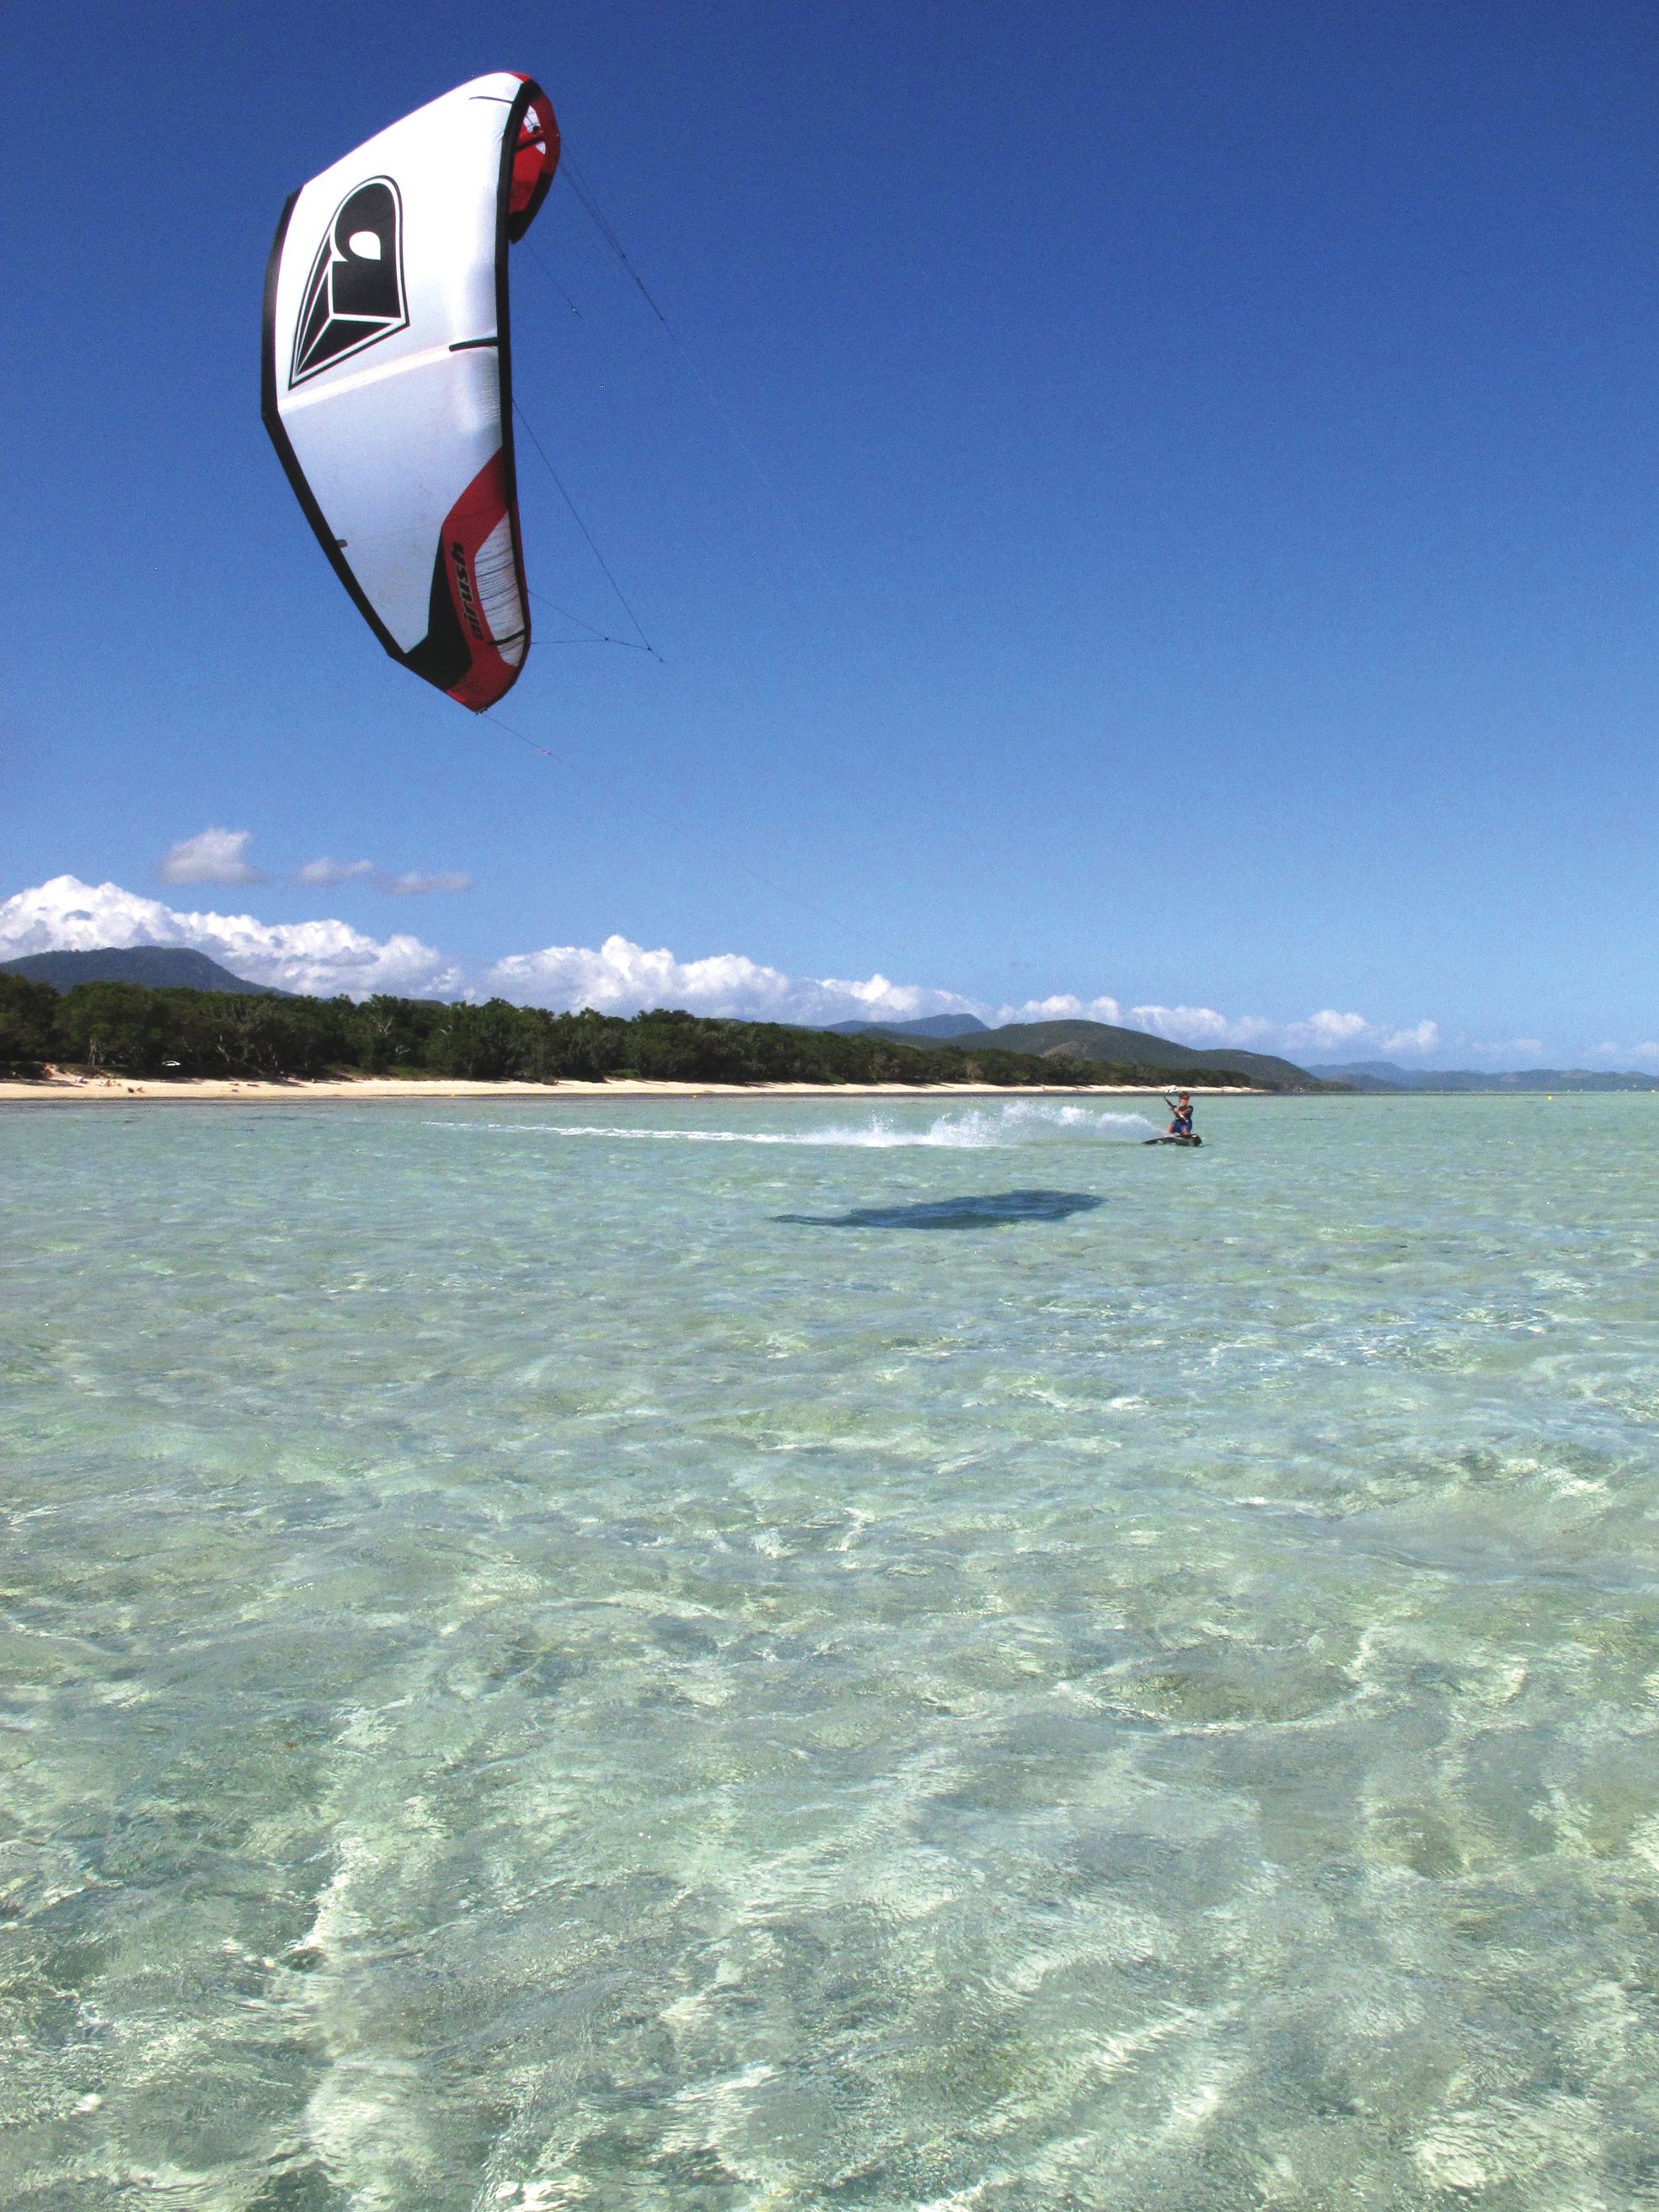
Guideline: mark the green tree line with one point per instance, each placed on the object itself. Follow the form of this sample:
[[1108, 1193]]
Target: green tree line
[[124, 1028]]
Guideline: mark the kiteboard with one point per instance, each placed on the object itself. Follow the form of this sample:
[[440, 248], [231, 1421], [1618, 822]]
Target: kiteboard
[[1172, 1141]]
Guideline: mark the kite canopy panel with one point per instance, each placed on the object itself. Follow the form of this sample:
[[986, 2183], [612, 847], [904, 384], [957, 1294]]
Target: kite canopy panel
[[387, 376]]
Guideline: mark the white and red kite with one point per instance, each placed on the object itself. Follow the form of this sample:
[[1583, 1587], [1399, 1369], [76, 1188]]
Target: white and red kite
[[387, 385]]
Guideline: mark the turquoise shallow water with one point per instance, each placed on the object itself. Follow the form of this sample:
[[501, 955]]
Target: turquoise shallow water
[[566, 1656]]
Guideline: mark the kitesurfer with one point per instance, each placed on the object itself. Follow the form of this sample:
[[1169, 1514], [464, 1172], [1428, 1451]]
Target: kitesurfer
[[1181, 1107]]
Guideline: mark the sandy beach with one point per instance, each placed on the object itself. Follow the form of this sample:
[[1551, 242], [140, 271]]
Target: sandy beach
[[62, 1090]]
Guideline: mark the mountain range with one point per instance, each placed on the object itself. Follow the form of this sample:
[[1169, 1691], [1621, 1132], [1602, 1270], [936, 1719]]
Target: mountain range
[[943, 1029], [1377, 1075], [1117, 1048], [156, 967]]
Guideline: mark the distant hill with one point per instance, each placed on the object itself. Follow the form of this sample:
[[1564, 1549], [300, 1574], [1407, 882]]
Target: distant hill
[[1139, 1049], [1387, 1075], [157, 966], [1361, 1076], [942, 1026], [1155, 1057]]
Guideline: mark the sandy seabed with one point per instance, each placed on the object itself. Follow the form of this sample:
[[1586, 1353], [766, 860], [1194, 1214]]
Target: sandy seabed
[[870, 1655], [59, 1090]]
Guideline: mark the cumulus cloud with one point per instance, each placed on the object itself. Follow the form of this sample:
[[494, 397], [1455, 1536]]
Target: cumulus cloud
[[220, 856], [1622, 1055], [1505, 1052], [1064, 1007], [1351, 1036], [322, 957], [329, 957], [621, 978], [216, 856], [326, 873], [1202, 1025], [1328, 1034]]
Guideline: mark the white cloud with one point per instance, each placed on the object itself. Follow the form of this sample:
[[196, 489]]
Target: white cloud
[[1334, 1032], [220, 856], [1064, 1007], [1327, 1035], [414, 885], [1624, 1056], [215, 856], [1200, 1025], [1425, 1036], [1351, 1036], [329, 957], [621, 978], [323, 956], [1508, 1051], [326, 873]]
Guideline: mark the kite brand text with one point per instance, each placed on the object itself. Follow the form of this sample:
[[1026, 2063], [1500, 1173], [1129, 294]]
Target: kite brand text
[[464, 589]]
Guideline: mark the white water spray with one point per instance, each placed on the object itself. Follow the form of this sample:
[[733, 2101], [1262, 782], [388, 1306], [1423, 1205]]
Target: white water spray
[[976, 1129]]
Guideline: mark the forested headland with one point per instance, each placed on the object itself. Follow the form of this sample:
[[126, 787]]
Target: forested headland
[[125, 1029]]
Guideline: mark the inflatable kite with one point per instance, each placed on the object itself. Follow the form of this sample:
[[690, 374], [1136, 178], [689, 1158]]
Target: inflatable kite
[[387, 386]]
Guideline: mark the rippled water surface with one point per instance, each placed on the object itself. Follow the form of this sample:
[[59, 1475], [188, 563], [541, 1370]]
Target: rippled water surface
[[833, 1654]]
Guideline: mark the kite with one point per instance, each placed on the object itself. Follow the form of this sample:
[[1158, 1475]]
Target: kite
[[387, 376]]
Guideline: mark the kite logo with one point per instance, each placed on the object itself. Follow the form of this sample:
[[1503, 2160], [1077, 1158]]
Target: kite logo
[[354, 296], [464, 591]]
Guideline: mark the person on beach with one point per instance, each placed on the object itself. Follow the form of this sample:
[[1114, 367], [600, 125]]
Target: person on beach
[[1182, 1109]]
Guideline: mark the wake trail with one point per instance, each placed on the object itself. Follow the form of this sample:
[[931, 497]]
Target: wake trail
[[974, 1131]]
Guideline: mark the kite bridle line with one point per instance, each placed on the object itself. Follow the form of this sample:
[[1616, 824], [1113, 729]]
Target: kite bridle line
[[666, 821], [593, 545]]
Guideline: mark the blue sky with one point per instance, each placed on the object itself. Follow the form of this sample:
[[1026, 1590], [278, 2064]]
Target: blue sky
[[1155, 504]]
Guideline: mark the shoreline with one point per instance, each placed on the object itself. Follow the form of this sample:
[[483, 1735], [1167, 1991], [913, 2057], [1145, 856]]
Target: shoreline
[[369, 1090]]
